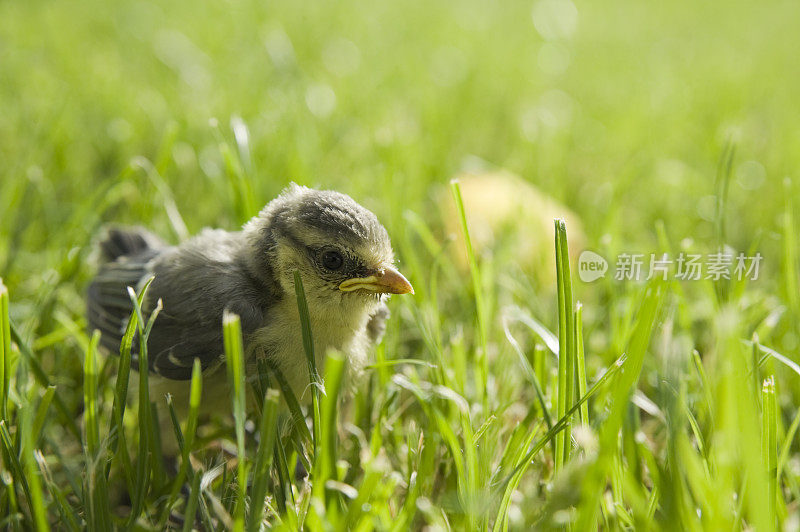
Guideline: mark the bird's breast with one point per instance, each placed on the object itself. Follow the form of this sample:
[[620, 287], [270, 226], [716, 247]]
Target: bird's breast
[[280, 339]]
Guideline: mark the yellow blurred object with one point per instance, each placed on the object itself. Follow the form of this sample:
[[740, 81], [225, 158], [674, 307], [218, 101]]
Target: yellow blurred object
[[511, 219]]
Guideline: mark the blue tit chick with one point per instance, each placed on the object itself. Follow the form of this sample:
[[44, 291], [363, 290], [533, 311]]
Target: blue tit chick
[[341, 250]]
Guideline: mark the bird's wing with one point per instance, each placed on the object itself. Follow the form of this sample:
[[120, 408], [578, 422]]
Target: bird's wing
[[195, 284], [194, 293], [376, 326]]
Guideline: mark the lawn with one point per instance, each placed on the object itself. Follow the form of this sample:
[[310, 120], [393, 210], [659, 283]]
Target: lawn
[[495, 400]]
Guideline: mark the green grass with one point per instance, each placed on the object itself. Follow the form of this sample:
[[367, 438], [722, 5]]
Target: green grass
[[498, 399]]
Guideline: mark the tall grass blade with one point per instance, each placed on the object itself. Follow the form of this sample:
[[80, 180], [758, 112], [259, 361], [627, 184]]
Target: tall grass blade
[[91, 422], [771, 353], [146, 429], [581, 361], [287, 504], [480, 299], [268, 431], [566, 341], [195, 396], [549, 339], [166, 196], [234, 356], [238, 166], [11, 459], [308, 347], [325, 459], [529, 372], [186, 440], [787, 445], [769, 443], [5, 350], [293, 404], [99, 513], [520, 468], [116, 429], [36, 502], [191, 504], [41, 414]]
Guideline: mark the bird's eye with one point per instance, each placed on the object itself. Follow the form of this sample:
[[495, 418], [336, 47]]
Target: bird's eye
[[332, 260]]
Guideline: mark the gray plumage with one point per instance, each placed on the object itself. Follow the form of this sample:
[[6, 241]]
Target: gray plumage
[[341, 250]]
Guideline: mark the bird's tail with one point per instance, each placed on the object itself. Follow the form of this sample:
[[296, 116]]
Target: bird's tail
[[125, 241]]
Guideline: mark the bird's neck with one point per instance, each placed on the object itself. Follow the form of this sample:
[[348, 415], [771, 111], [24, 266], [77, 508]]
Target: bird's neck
[[344, 318]]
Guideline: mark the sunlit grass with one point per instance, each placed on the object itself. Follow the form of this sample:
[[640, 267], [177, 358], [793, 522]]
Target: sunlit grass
[[496, 400]]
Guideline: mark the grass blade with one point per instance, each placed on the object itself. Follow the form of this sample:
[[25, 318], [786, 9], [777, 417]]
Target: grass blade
[[298, 420], [11, 459], [480, 300], [787, 444], [185, 440], [769, 442], [191, 504], [325, 463], [146, 429], [98, 511], [234, 356], [195, 395], [529, 372], [36, 501], [41, 413], [566, 342], [117, 429], [92, 426], [581, 361], [520, 468], [5, 350], [308, 347], [268, 431]]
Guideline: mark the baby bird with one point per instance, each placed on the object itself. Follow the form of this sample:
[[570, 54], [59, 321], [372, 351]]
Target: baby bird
[[340, 249]]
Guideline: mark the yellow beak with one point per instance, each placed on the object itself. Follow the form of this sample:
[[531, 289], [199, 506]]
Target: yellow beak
[[387, 280]]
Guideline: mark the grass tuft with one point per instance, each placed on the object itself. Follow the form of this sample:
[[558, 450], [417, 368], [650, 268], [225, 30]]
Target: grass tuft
[[567, 337]]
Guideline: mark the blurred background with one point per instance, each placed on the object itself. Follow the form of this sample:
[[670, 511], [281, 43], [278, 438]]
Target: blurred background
[[182, 115], [618, 109]]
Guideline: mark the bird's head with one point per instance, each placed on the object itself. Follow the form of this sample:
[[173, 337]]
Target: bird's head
[[341, 250]]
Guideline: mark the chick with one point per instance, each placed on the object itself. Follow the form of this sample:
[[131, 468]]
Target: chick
[[340, 249]]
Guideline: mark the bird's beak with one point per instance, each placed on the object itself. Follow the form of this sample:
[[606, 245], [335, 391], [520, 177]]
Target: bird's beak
[[387, 280]]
